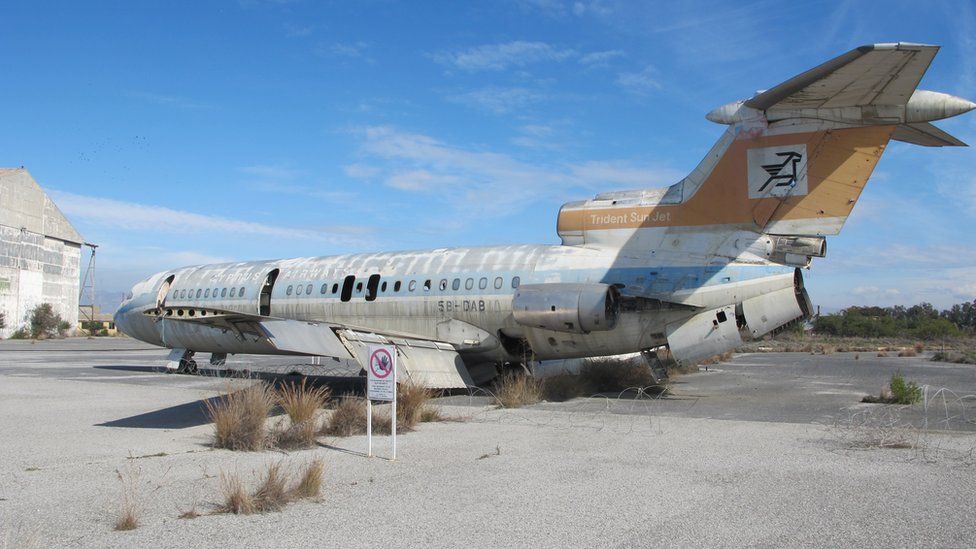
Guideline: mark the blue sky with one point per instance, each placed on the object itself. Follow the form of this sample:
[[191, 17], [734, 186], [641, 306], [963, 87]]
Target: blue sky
[[185, 132]]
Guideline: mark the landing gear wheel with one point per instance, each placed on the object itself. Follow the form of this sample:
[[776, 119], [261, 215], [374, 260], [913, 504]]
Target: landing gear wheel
[[187, 366]]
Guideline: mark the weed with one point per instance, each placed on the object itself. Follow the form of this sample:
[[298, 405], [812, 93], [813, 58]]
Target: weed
[[430, 414], [882, 354], [514, 390], [603, 375], [907, 353], [240, 418], [919, 347], [190, 513], [904, 392], [130, 510]]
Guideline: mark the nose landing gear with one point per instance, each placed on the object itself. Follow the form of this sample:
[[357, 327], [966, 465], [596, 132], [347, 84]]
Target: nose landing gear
[[181, 362]]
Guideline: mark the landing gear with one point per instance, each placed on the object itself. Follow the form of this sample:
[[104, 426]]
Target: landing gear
[[187, 367]]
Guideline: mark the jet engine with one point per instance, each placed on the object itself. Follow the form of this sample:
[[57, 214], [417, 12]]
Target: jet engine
[[573, 308]]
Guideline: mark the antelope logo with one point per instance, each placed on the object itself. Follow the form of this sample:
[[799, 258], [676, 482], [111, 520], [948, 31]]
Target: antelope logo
[[778, 171]]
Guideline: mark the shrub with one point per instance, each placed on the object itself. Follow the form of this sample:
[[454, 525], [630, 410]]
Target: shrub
[[606, 375], [44, 322], [904, 392], [562, 387], [3, 321], [514, 390], [907, 353], [240, 418], [20, 333]]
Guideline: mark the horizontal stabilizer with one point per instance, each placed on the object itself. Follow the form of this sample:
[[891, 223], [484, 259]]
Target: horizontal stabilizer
[[926, 135], [878, 74]]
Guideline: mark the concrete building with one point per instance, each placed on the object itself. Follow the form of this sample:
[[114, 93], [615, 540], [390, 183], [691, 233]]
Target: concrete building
[[40, 252]]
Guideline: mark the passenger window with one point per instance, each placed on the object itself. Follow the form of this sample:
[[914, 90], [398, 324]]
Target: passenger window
[[396, 286], [456, 285], [371, 286], [483, 283], [335, 288], [383, 287], [215, 292], [468, 284], [206, 294], [176, 294], [240, 293], [308, 290], [223, 292], [198, 293], [289, 290], [427, 285], [324, 288], [298, 289], [359, 288], [498, 283], [182, 294], [515, 282], [233, 292], [443, 285], [347, 284], [413, 285]]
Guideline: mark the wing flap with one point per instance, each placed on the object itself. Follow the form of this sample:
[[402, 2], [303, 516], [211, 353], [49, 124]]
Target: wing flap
[[432, 364]]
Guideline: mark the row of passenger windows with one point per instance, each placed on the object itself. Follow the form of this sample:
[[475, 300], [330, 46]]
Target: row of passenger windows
[[206, 293], [372, 284]]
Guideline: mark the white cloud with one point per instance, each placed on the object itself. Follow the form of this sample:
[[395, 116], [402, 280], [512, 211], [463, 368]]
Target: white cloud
[[174, 101], [600, 57], [360, 171], [132, 216], [498, 100], [269, 171], [502, 56], [639, 83], [487, 184], [348, 50]]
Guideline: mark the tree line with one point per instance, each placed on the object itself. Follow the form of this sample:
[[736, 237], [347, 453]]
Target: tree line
[[922, 321]]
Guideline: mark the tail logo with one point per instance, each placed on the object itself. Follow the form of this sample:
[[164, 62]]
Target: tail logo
[[778, 171]]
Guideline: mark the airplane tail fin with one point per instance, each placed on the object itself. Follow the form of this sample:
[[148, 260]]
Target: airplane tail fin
[[794, 159]]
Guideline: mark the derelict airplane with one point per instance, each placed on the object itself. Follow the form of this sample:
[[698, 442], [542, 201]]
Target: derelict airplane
[[695, 266]]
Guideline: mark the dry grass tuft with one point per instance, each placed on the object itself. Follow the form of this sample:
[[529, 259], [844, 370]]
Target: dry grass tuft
[[907, 353], [515, 390], [237, 500], [412, 400], [190, 513], [310, 485], [240, 418], [272, 494], [302, 402], [717, 359], [130, 511], [919, 347], [882, 354], [349, 418]]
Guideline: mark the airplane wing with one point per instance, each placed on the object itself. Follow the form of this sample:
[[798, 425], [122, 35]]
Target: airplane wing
[[434, 364], [878, 74]]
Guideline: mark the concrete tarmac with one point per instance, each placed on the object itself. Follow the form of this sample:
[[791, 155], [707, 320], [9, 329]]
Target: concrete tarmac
[[759, 451]]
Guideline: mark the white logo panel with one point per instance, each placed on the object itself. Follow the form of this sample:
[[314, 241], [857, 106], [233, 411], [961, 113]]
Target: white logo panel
[[778, 171]]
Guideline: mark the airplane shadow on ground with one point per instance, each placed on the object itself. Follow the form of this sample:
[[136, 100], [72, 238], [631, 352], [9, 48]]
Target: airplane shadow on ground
[[193, 414]]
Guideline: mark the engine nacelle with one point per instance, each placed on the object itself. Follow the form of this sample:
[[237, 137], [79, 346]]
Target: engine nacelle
[[574, 308]]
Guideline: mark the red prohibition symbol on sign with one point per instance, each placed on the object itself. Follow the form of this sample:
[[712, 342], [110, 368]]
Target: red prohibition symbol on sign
[[381, 363]]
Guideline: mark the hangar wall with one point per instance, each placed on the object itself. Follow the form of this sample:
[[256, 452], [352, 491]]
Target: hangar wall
[[40, 252]]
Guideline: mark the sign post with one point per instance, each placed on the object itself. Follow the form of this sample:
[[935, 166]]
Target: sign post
[[381, 385]]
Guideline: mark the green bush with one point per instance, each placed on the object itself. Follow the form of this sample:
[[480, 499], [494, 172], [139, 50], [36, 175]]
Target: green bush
[[904, 392], [44, 322], [21, 333], [3, 321]]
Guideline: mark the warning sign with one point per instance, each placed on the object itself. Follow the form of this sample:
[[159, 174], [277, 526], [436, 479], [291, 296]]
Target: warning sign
[[381, 373]]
